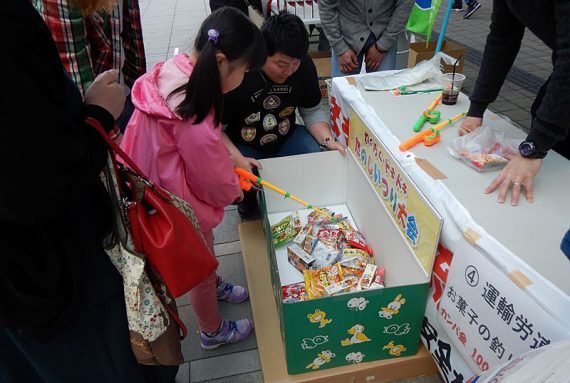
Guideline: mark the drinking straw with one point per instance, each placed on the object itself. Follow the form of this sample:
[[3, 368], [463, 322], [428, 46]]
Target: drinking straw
[[453, 73]]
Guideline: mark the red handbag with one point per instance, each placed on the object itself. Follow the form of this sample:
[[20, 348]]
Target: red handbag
[[163, 226]]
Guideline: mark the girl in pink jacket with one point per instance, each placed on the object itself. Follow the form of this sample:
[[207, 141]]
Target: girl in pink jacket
[[174, 136]]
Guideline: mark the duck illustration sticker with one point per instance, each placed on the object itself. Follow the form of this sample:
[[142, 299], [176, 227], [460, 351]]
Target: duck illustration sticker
[[322, 358], [358, 336], [393, 308], [394, 350], [357, 304], [355, 357], [309, 343], [397, 329], [319, 317]]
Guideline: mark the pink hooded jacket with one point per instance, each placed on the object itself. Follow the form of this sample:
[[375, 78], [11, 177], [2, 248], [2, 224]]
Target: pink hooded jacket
[[188, 160]]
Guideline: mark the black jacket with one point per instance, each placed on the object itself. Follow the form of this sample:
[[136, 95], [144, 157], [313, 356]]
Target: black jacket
[[549, 20], [53, 209]]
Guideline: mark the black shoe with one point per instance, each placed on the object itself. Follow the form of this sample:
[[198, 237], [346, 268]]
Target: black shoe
[[248, 207], [471, 10]]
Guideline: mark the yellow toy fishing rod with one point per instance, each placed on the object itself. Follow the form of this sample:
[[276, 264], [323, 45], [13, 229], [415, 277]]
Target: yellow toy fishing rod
[[246, 180]]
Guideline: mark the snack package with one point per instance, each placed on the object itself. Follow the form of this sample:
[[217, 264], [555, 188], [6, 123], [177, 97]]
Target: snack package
[[355, 239], [378, 281], [355, 258], [286, 229], [317, 280], [340, 223], [330, 238], [299, 258], [346, 285], [351, 272], [300, 238], [367, 276], [315, 218], [324, 255], [294, 292], [310, 242], [486, 148]]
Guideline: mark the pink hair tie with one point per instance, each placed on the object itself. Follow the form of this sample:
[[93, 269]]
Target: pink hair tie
[[213, 35]]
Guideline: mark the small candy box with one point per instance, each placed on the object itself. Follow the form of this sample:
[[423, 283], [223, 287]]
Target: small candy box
[[310, 243], [378, 281], [346, 285], [354, 258], [300, 238], [299, 258], [367, 276], [317, 280], [286, 229], [294, 292]]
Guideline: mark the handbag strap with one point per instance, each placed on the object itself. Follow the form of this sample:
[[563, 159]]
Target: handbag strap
[[116, 149]]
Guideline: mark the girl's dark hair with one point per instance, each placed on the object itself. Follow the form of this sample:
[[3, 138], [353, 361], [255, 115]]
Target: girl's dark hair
[[239, 40], [287, 34]]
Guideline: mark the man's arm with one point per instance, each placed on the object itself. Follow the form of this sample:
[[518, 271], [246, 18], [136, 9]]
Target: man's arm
[[501, 49], [396, 25], [551, 123], [328, 11]]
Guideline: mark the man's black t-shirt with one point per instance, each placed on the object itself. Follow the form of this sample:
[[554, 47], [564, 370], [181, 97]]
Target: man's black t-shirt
[[261, 114]]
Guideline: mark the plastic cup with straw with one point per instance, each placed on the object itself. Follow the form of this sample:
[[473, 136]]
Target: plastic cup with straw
[[452, 85]]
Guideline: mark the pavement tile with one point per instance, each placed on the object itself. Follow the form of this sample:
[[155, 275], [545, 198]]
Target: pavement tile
[[251, 377], [183, 375], [227, 231], [224, 366]]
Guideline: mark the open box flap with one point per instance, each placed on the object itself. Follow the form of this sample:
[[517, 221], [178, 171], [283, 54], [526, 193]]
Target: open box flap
[[417, 220]]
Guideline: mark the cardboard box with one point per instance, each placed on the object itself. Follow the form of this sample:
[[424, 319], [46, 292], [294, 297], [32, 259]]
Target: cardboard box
[[322, 62], [420, 52], [269, 341], [359, 326]]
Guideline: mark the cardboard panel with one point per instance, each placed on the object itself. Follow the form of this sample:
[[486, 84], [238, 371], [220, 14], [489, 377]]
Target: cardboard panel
[[269, 340]]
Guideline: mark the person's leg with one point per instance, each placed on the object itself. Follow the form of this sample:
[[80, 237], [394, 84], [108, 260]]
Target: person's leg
[[248, 207], [457, 5], [300, 142], [389, 62], [324, 45], [472, 7]]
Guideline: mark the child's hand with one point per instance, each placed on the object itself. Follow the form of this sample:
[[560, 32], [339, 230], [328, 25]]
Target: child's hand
[[247, 163]]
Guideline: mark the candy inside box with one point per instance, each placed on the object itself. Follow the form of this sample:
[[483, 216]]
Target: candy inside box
[[352, 327]]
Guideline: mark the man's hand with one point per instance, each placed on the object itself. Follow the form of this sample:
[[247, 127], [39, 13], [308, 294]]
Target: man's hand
[[106, 92], [373, 58], [518, 173], [335, 145], [348, 61], [469, 124]]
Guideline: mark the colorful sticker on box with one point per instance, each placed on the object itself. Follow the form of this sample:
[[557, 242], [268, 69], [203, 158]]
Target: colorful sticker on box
[[322, 358], [319, 317], [357, 304], [393, 307], [395, 350], [309, 343], [355, 357], [358, 336], [396, 329]]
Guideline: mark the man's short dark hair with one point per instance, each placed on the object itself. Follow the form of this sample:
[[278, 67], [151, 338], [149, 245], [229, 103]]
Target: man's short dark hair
[[287, 34]]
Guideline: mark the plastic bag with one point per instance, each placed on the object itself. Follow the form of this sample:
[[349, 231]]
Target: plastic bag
[[485, 148]]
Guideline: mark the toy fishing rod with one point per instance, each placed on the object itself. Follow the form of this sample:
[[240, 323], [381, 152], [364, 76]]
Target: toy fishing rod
[[429, 136], [428, 115], [246, 180]]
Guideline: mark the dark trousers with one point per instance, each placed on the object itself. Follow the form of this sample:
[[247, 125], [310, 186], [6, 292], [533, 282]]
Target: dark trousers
[[562, 147], [94, 348]]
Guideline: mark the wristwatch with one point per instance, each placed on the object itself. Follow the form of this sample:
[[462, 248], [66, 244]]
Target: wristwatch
[[527, 149], [325, 144]]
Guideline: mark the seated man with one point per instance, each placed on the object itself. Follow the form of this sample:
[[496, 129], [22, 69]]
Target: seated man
[[259, 116]]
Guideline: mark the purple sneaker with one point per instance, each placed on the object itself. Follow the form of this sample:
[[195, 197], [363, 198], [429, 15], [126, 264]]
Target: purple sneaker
[[231, 293], [231, 332]]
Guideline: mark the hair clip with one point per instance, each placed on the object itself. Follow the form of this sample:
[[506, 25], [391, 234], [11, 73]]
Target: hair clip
[[213, 35]]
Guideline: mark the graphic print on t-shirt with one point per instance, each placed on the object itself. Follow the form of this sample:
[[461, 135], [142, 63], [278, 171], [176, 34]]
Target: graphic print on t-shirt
[[254, 117], [271, 102], [287, 111], [269, 122], [248, 133], [267, 139], [284, 127]]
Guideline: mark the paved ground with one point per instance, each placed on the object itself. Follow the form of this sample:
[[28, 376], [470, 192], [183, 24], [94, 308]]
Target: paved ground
[[171, 24]]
